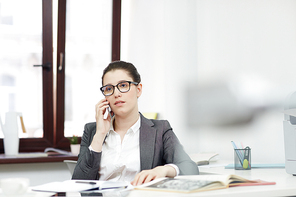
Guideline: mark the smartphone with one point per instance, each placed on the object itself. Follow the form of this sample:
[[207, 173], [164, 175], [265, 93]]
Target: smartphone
[[107, 112]]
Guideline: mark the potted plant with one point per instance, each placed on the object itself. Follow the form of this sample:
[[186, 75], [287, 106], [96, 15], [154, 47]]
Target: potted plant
[[74, 145]]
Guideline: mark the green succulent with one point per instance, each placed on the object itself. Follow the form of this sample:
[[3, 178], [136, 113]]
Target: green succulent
[[73, 140]]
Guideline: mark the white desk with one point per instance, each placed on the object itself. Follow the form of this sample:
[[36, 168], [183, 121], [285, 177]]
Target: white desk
[[285, 184]]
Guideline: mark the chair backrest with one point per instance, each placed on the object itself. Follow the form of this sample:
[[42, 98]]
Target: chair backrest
[[71, 165], [150, 115]]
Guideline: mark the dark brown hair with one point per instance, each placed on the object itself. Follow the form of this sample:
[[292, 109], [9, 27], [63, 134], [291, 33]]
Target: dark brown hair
[[128, 67]]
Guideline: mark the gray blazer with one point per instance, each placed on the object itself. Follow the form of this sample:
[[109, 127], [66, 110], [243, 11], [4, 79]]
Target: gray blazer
[[158, 146]]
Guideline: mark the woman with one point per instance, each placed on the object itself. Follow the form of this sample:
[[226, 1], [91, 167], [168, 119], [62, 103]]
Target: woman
[[127, 146]]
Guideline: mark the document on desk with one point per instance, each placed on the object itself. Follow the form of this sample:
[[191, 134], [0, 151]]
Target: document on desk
[[262, 165], [80, 185]]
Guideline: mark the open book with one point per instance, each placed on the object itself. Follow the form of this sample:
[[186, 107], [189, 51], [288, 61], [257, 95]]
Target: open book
[[189, 184], [203, 158]]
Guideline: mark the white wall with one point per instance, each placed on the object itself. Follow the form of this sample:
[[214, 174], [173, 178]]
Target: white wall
[[248, 44]]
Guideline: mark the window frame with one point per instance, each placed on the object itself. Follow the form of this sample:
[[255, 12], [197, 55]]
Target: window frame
[[60, 140]]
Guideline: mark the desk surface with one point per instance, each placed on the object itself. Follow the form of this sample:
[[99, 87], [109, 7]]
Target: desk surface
[[285, 184]]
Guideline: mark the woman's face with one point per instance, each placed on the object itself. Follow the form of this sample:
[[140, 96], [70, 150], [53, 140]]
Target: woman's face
[[122, 104]]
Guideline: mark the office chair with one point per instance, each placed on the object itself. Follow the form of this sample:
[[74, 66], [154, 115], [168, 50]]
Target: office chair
[[71, 165], [150, 115]]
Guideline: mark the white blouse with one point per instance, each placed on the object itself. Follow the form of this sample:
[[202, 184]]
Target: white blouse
[[120, 161]]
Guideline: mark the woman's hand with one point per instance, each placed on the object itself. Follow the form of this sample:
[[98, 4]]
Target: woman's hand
[[158, 172], [103, 125]]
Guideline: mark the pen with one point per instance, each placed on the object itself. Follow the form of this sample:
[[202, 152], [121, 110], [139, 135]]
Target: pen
[[87, 182], [238, 153], [120, 187]]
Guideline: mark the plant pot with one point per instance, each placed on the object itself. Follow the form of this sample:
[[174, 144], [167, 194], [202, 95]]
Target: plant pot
[[75, 148]]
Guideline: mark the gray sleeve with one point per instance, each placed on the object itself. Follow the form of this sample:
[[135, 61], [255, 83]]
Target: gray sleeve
[[88, 163], [175, 154]]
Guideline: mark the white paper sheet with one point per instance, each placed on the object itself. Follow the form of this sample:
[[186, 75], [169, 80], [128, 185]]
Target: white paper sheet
[[73, 186]]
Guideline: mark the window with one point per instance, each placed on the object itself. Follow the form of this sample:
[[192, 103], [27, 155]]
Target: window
[[88, 51], [54, 100], [20, 49], [26, 40], [88, 39]]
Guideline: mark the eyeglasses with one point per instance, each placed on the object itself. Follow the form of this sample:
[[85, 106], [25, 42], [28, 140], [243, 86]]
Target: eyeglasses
[[124, 86]]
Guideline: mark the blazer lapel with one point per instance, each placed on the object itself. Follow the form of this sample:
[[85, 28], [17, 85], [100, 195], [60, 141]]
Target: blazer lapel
[[147, 143]]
